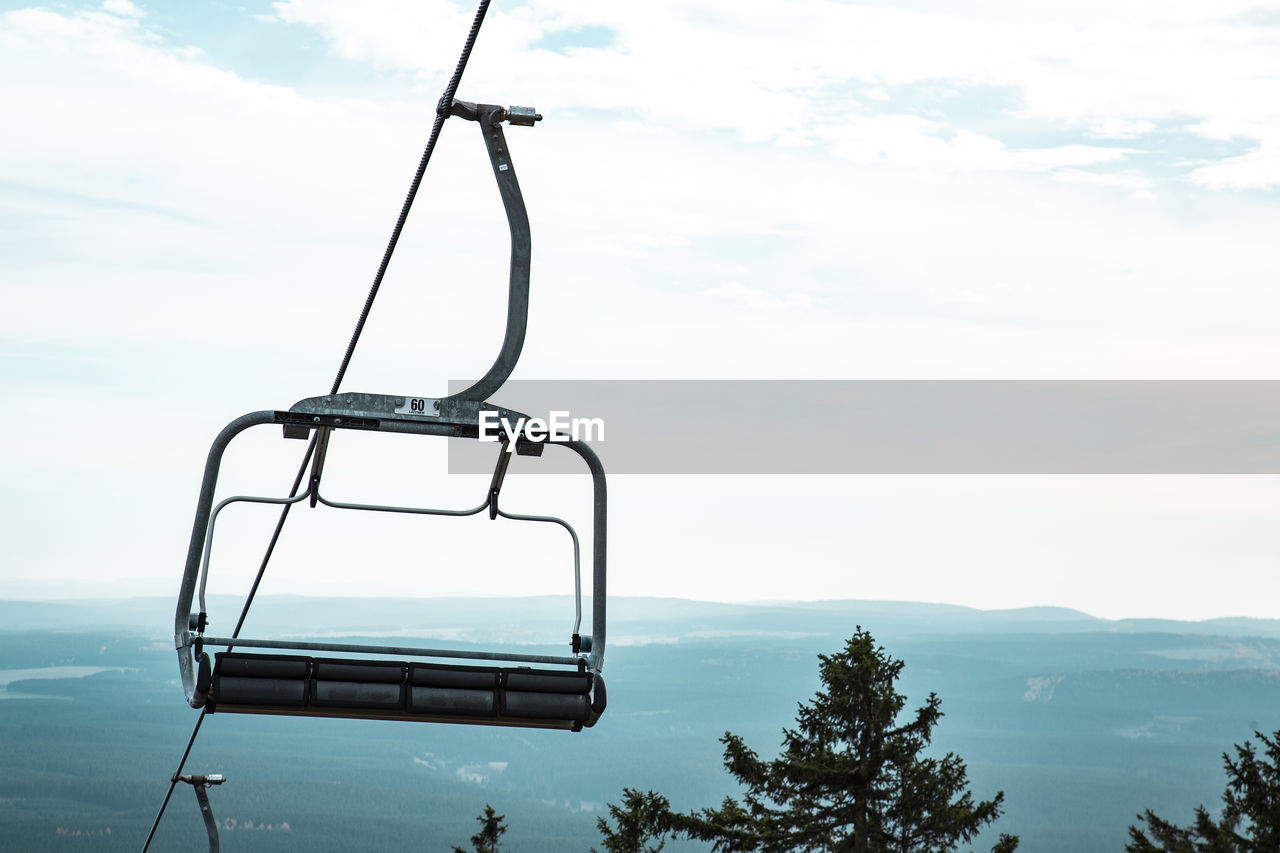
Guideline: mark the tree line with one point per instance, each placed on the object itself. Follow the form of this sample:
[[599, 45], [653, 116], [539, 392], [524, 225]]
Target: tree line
[[852, 776]]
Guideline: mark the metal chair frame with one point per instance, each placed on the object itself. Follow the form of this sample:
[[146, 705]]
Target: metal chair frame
[[457, 416]]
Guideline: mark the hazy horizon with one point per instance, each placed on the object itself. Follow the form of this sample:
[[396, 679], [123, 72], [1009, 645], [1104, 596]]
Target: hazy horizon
[[226, 599]]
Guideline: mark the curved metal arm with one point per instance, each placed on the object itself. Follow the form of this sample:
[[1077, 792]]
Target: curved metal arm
[[410, 510], [213, 522], [195, 550], [202, 797], [577, 555], [599, 531], [210, 825], [489, 117]]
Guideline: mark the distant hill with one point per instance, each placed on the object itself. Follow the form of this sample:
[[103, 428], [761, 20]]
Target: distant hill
[[541, 619]]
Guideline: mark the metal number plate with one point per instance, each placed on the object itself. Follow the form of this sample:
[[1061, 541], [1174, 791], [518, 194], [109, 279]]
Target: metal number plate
[[421, 406]]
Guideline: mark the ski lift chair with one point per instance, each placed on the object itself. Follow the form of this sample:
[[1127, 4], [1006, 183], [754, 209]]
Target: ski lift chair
[[501, 688]]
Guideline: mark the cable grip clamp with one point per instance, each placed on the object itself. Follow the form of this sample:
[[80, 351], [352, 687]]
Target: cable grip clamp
[[521, 116]]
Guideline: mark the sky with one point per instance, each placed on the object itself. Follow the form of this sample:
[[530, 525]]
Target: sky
[[194, 198]]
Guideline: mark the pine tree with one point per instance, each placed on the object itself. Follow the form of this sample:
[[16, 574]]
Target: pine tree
[[641, 820], [1250, 820], [491, 828], [851, 776]]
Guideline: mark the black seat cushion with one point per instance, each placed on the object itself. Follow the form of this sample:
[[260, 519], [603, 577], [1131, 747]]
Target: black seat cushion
[[292, 684], [241, 679]]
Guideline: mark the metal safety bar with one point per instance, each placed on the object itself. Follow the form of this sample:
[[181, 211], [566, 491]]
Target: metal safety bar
[[577, 564], [313, 492], [402, 651]]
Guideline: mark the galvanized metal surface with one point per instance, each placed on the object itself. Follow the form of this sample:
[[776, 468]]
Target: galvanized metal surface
[[453, 410]]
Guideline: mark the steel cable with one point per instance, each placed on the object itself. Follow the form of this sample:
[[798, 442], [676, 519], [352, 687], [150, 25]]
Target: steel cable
[[174, 781], [442, 113]]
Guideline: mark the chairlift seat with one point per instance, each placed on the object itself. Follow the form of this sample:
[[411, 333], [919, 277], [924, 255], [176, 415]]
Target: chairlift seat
[[296, 685], [289, 683]]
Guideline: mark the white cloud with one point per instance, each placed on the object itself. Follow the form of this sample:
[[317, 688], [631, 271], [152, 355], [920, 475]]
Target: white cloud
[[389, 34], [767, 71], [759, 299], [122, 7], [1073, 156], [223, 173], [1257, 170], [1139, 185], [1118, 128]]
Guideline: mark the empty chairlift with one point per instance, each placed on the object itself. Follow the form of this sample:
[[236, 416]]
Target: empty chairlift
[[503, 688]]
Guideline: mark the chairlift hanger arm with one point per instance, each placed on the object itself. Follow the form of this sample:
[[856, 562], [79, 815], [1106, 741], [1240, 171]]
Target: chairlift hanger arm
[[490, 118], [202, 797]]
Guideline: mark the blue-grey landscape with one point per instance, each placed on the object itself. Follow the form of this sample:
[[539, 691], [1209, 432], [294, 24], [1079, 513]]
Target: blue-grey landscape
[[1082, 722]]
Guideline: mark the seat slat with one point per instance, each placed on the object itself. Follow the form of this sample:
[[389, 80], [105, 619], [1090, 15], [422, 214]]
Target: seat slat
[[260, 691], [547, 682], [366, 671], [444, 675], [453, 701], [357, 694], [545, 706]]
